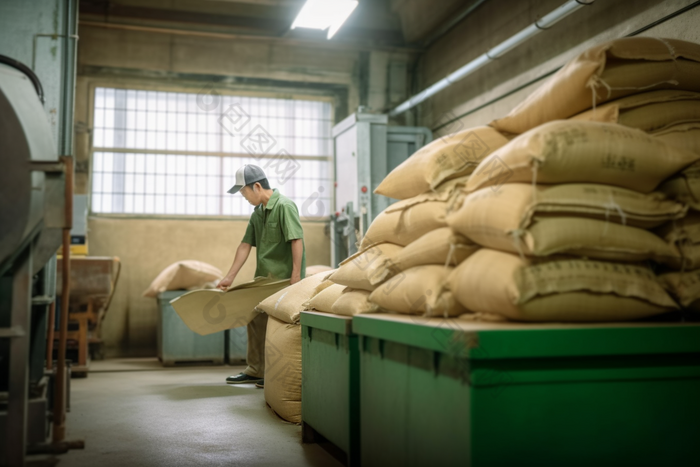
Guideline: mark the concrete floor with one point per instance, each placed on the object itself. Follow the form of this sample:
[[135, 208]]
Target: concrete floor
[[134, 412]]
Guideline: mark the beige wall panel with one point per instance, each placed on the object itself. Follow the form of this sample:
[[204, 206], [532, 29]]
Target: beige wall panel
[[146, 246]]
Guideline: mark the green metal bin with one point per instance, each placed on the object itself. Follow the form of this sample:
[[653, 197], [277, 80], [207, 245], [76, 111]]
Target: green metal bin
[[453, 392], [178, 344], [330, 382], [237, 345]]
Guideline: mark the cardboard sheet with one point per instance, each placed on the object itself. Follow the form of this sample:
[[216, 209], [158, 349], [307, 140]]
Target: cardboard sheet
[[209, 311]]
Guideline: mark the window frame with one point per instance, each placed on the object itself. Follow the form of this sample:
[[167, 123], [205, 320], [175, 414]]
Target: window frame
[[194, 88]]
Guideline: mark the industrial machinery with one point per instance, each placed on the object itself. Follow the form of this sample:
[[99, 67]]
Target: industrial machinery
[[366, 148], [37, 53], [34, 218]]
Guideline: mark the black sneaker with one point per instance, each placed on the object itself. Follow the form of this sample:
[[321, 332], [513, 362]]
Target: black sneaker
[[243, 379], [260, 384]]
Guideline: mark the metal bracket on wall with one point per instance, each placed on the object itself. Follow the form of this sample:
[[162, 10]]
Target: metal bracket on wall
[[47, 166]]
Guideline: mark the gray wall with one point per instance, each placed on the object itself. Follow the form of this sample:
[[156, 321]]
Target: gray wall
[[506, 81], [38, 34]]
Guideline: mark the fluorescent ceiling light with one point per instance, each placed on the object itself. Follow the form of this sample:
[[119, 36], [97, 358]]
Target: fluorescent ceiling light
[[324, 14]]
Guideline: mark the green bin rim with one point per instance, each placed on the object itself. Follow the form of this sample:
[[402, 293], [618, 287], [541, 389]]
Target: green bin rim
[[483, 342], [333, 323]]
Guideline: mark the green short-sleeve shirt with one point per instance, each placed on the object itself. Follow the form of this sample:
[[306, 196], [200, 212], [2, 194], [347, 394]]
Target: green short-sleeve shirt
[[270, 230]]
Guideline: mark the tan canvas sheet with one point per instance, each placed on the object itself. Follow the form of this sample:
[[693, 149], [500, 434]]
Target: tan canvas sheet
[[606, 72], [209, 311], [569, 151], [491, 281]]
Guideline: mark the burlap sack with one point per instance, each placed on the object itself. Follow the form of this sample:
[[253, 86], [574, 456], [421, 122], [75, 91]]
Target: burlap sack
[[358, 270], [583, 152], [447, 191], [649, 111], [287, 304], [685, 234], [283, 369], [482, 317], [690, 257], [684, 287], [183, 275], [448, 157], [684, 187], [402, 224], [325, 284], [603, 202], [451, 192], [491, 281], [686, 230], [442, 247], [509, 220], [685, 136], [606, 72], [418, 291], [324, 300], [317, 268], [353, 302]]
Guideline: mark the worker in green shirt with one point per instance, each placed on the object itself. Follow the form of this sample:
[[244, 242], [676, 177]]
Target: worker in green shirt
[[275, 231]]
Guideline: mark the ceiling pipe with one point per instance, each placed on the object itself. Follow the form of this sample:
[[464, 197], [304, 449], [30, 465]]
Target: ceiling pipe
[[498, 51]]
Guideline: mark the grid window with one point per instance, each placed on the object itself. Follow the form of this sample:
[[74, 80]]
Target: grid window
[[177, 153]]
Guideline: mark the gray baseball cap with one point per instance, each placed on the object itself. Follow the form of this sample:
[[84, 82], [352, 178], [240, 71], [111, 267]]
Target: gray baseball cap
[[246, 175]]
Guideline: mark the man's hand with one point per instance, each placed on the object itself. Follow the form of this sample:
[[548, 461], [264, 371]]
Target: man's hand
[[224, 283], [296, 277]]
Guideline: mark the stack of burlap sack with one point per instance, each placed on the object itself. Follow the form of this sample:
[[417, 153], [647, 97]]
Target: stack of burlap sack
[[566, 234], [283, 342], [565, 211], [549, 213], [408, 251]]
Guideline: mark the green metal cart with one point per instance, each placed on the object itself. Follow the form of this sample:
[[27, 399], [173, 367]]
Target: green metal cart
[[330, 383], [453, 392]]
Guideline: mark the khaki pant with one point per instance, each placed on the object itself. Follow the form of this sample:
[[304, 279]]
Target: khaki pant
[[256, 346]]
